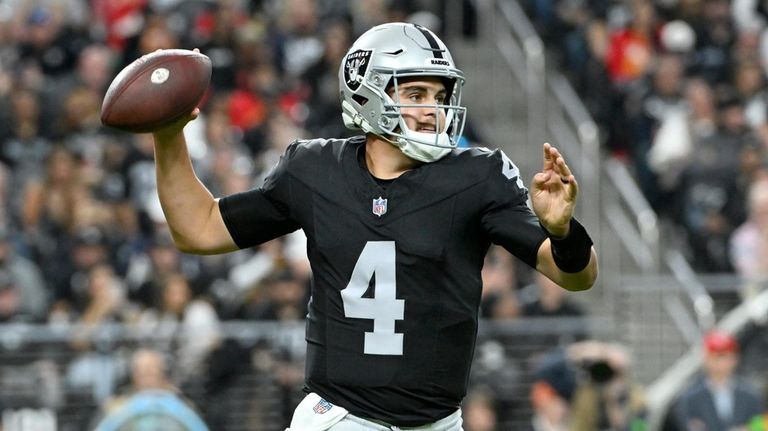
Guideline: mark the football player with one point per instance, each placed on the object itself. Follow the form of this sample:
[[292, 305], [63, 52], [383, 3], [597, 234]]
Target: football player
[[398, 222]]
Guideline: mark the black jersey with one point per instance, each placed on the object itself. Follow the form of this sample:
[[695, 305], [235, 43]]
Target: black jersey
[[395, 270]]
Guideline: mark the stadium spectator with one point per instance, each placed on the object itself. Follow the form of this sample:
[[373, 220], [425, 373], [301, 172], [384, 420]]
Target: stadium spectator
[[251, 101], [585, 386], [232, 168], [718, 399], [321, 79], [106, 303], [48, 42], [648, 103], [680, 128], [749, 84], [708, 196], [77, 124], [498, 373], [585, 63], [715, 37], [500, 285], [748, 245], [548, 300], [118, 22], [95, 367], [701, 101], [551, 392], [606, 396], [68, 272], [753, 342], [551, 412], [23, 281], [501, 305], [147, 271], [220, 30], [140, 191], [25, 133], [283, 298], [188, 327], [544, 299], [148, 370], [155, 34], [479, 411], [10, 301], [149, 400], [297, 41], [47, 198], [631, 47]]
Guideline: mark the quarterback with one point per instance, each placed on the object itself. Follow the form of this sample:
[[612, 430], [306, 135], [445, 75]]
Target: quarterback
[[398, 222]]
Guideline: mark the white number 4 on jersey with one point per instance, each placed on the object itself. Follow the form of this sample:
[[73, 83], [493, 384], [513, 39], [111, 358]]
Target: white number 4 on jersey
[[377, 259]]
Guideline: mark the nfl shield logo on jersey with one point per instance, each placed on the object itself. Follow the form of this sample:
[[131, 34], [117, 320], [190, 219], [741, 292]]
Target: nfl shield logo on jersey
[[379, 206], [322, 406]]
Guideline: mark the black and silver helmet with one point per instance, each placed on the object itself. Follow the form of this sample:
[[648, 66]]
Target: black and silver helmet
[[375, 62]]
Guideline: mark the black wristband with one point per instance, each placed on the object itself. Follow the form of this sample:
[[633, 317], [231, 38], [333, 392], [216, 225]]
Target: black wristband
[[572, 253]]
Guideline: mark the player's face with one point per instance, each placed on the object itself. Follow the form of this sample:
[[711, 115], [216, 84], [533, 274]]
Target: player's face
[[422, 91]]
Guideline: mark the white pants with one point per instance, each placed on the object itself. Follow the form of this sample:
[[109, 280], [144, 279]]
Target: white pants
[[316, 414]]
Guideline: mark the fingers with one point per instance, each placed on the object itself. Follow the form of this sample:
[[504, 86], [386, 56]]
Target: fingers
[[554, 168], [566, 176], [554, 160], [572, 188], [548, 160], [540, 179], [177, 126]]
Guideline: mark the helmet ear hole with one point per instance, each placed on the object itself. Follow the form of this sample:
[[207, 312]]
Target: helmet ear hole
[[359, 99]]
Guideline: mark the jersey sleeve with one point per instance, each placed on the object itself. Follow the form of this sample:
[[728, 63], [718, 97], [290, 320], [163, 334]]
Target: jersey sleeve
[[507, 219], [263, 213]]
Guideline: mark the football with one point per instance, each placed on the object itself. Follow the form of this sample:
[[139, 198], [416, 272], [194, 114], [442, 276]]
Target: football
[[156, 90]]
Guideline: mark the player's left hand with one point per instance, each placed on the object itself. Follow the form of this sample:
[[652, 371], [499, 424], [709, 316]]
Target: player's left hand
[[553, 193]]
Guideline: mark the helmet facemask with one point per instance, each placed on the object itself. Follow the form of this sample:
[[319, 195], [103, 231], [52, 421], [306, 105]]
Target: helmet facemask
[[424, 146]]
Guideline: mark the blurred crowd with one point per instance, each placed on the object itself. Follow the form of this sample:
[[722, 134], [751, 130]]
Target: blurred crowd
[[678, 88]]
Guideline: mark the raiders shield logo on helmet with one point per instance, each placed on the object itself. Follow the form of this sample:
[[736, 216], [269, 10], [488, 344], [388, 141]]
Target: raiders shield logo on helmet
[[355, 66]]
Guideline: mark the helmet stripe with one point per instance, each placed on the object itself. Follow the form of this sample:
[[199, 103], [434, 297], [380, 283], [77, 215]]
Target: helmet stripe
[[436, 50]]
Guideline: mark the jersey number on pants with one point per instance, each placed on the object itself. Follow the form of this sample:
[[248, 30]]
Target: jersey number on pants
[[377, 260]]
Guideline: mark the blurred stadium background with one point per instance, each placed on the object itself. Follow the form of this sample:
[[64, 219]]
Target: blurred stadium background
[[658, 105]]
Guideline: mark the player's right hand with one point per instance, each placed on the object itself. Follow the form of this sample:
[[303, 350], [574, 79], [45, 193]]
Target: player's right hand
[[175, 128]]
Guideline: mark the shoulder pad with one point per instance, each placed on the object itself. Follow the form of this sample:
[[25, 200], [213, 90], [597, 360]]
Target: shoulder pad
[[332, 149], [493, 163], [310, 158]]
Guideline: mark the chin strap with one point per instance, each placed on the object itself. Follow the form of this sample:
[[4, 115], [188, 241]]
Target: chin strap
[[422, 152]]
